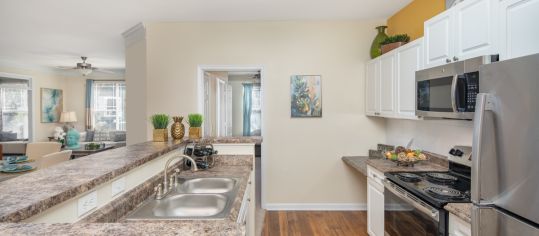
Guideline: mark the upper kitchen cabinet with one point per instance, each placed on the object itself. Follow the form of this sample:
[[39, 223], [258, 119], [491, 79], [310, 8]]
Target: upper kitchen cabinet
[[387, 84], [464, 31], [438, 32], [409, 59], [372, 88], [519, 28], [390, 82]]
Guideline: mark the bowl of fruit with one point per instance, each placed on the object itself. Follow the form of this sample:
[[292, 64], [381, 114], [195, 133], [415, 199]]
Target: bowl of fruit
[[405, 157]]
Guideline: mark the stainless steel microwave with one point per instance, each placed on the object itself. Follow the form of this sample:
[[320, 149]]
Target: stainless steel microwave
[[449, 91]]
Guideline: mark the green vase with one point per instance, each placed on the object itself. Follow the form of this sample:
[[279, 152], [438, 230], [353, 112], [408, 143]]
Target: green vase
[[376, 51]]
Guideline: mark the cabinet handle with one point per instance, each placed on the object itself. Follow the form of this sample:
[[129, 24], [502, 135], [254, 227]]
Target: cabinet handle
[[455, 58], [448, 60]]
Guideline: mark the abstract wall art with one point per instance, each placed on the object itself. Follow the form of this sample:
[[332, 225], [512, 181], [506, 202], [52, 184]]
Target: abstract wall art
[[306, 96], [52, 103]]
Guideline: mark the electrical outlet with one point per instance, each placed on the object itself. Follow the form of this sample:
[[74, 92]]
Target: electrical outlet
[[87, 203], [118, 186]]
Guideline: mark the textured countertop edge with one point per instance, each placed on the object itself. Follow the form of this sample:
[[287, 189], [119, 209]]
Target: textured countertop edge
[[357, 162], [461, 210], [10, 212], [384, 166], [226, 226]]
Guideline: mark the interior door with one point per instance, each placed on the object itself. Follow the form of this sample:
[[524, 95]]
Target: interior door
[[475, 29], [438, 39], [409, 60]]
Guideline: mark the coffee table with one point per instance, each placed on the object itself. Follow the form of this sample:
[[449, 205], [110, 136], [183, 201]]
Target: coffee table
[[80, 152]]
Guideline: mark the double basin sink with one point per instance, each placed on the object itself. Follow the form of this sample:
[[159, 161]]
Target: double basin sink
[[192, 198]]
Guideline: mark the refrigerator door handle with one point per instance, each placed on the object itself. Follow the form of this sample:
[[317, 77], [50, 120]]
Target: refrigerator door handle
[[483, 103]]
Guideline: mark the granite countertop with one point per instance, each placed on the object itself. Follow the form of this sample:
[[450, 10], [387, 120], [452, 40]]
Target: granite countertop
[[237, 166], [358, 162], [238, 139], [461, 210], [384, 165]]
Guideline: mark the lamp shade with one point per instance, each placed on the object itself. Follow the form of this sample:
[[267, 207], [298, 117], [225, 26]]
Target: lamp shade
[[68, 116]]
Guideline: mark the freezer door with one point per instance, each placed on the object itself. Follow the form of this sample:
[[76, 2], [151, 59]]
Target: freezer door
[[505, 169], [488, 221]]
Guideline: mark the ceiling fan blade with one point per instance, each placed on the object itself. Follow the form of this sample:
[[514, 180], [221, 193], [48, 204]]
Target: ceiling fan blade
[[105, 71], [65, 67]]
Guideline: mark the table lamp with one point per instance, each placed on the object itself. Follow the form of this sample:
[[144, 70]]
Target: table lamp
[[72, 135]]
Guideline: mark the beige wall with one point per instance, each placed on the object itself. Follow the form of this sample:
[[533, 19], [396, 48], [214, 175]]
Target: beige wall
[[137, 118], [302, 157]]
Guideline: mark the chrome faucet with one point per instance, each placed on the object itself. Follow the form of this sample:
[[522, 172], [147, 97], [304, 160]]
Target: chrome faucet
[[163, 190]]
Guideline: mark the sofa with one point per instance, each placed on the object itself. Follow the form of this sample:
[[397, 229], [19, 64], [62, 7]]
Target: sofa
[[110, 138], [10, 143]]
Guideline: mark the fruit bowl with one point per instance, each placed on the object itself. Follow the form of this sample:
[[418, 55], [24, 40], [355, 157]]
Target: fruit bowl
[[405, 157]]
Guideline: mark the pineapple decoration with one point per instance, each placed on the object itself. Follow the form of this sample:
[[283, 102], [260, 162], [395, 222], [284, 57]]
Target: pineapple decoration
[[177, 130]]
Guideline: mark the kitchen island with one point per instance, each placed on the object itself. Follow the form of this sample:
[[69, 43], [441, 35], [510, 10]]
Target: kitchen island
[[26, 197]]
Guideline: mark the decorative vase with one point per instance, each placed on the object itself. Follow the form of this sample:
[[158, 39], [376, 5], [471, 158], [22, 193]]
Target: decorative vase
[[195, 132], [72, 139], [177, 129], [160, 135], [381, 36]]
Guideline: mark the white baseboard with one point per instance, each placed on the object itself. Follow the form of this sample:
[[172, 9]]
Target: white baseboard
[[316, 206]]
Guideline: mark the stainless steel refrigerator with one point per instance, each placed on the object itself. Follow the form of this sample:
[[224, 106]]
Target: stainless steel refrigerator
[[505, 170]]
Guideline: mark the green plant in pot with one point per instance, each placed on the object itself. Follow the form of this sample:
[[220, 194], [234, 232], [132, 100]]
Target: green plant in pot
[[394, 41], [195, 125], [160, 123]]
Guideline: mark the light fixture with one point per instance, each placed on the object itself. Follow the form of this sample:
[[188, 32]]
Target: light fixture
[[84, 68]]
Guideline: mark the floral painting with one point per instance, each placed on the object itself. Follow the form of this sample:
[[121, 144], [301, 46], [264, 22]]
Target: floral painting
[[51, 105], [306, 96]]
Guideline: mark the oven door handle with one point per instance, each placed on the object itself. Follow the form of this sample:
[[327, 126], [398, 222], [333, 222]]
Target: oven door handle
[[412, 200], [454, 93]]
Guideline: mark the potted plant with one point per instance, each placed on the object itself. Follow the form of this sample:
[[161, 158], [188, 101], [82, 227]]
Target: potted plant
[[195, 124], [160, 123], [394, 41]]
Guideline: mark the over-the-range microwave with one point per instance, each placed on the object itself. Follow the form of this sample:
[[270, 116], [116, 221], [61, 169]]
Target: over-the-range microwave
[[449, 91]]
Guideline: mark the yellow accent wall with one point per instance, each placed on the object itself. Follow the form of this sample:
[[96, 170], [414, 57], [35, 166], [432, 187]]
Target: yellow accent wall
[[409, 20]]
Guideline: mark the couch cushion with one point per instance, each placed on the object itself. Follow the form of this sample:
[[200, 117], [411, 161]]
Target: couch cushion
[[8, 136], [117, 136], [100, 136]]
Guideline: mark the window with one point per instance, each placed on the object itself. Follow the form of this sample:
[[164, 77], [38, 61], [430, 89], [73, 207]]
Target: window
[[256, 111], [15, 95], [108, 103]]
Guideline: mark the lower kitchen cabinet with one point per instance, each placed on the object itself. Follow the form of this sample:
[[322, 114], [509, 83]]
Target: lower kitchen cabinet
[[458, 227], [248, 208], [375, 202]]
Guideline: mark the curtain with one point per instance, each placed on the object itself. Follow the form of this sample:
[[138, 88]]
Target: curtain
[[247, 108], [89, 115]]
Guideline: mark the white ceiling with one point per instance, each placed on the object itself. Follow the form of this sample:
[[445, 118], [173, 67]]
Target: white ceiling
[[57, 32]]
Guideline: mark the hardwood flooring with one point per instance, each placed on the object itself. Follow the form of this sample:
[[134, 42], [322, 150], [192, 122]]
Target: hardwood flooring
[[323, 223]]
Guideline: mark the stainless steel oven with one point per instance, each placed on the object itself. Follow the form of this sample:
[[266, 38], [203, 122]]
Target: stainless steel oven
[[449, 91], [407, 215]]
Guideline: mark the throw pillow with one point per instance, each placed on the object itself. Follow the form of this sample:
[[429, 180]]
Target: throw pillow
[[119, 136], [89, 135], [101, 136], [8, 136], [82, 137]]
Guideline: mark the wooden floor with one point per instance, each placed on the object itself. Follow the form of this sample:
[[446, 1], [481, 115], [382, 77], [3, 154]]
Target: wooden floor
[[323, 223]]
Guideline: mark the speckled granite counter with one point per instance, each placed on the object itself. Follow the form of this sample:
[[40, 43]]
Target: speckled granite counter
[[240, 139], [358, 162], [384, 165], [462, 210], [28, 195]]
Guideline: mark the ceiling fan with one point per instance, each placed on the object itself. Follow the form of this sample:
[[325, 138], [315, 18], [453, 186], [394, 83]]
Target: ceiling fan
[[85, 68]]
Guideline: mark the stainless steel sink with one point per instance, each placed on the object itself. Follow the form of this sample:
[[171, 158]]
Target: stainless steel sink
[[207, 185], [194, 198]]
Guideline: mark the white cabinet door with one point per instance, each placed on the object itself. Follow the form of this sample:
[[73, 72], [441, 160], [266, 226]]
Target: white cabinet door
[[387, 85], [438, 39], [409, 60], [372, 87], [475, 31], [375, 209], [519, 28]]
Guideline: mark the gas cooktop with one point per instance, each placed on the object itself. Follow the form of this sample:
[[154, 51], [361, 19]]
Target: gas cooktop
[[437, 188]]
